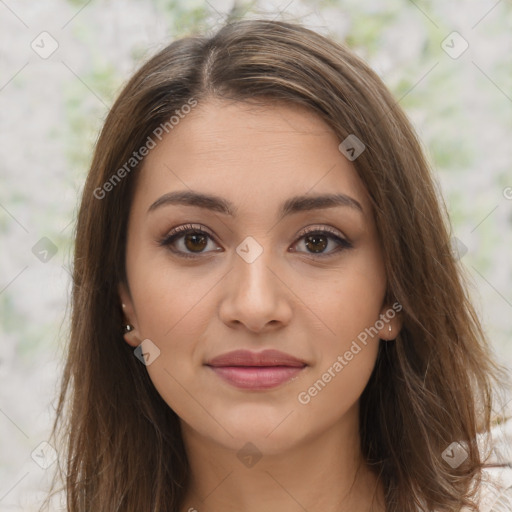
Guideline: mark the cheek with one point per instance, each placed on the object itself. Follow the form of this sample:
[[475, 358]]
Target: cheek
[[166, 297], [173, 310], [333, 392], [348, 350], [345, 359], [352, 300]]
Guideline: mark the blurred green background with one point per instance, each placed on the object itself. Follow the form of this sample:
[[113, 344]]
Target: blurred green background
[[62, 63]]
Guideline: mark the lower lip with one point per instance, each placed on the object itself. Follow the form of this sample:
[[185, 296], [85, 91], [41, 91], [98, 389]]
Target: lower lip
[[256, 377]]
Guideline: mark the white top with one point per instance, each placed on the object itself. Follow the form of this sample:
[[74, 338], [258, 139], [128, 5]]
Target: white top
[[495, 493]]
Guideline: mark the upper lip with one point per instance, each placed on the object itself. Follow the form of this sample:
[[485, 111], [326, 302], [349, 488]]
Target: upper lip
[[248, 358]]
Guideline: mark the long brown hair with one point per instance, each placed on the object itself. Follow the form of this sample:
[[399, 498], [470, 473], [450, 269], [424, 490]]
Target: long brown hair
[[430, 387]]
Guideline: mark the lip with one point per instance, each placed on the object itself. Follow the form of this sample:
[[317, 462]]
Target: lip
[[256, 370]]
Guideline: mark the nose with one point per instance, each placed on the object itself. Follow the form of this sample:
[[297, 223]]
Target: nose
[[256, 295]]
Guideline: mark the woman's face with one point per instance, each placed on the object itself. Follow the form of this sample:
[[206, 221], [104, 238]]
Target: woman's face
[[267, 266]]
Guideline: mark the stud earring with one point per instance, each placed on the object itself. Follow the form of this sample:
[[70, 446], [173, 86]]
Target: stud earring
[[128, 328]]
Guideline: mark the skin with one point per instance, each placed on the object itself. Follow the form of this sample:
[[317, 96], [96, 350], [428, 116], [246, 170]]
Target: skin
[[286, 299]]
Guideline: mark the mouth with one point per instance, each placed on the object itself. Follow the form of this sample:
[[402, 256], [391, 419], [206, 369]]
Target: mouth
[[256, 370]]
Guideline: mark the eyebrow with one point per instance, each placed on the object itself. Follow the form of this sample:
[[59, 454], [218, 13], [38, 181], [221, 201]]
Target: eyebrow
[[292, 205]]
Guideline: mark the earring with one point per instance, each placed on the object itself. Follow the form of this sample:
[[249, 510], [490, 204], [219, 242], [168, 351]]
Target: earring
[[128, 328], [389, 328]]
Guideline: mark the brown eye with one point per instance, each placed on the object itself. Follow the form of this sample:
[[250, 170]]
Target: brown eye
[[188, 241], [195, 242], [316, 243]]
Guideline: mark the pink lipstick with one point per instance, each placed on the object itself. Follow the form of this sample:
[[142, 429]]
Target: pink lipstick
[[256, 370]]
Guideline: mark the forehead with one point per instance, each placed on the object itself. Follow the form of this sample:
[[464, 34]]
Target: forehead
[[253, 155]]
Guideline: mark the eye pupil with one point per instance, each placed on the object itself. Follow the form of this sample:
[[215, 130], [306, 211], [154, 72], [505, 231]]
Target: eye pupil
[[316, 239], [195, 238]]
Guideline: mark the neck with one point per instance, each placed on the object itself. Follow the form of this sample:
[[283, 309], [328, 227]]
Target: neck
[[326, 473]]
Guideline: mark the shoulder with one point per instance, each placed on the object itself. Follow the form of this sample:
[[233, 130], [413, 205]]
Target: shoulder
[[495, 492]]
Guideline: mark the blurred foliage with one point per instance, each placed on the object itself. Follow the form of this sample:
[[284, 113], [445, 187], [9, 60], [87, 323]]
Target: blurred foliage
[[183, 18]]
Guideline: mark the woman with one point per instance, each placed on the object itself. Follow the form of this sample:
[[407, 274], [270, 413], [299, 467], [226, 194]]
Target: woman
[[267, 314]]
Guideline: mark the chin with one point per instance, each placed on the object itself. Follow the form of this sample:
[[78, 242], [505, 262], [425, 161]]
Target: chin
[[271, 429], [247, 438]]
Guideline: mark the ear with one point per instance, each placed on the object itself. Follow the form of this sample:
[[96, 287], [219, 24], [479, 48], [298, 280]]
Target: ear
[[392, 319], [129, 317]]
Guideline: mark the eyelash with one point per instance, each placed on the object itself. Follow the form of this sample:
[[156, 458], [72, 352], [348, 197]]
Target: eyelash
[[186, 229]]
